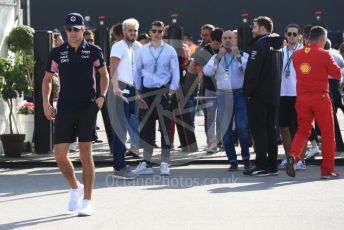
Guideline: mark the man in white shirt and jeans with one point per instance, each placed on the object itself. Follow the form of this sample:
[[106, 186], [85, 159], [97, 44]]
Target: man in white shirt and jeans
[[122, 67]]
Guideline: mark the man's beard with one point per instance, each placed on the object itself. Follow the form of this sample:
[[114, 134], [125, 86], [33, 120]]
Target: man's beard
[[130, 39]]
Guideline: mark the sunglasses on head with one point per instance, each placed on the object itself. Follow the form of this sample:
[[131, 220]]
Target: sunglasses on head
[[73, 29], [294, 34], [154, 31]]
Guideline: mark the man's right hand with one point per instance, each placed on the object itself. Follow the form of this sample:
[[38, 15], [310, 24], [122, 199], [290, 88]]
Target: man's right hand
[[141, 102], [222, 52], [49, 111], [117, 91]]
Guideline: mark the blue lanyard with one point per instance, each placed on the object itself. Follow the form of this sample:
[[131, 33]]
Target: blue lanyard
[[289, 58], [227, 65], [156, 59]]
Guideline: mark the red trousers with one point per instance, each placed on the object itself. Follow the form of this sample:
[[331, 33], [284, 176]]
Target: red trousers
[[318, 107]]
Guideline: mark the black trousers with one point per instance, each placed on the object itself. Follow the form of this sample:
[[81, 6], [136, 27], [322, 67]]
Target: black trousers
[[262, 122], [158, 108]]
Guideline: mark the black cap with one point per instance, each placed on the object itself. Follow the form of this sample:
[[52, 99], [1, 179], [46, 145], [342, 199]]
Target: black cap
[[74, 20]]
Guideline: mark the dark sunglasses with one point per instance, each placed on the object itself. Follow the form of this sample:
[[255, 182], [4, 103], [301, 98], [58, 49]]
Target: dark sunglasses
[[90, 40], [154, 31], [294, 34], [73, 29]]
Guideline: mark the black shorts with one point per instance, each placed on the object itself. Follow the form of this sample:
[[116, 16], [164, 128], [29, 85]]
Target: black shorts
[[81, 124], [287, 111]]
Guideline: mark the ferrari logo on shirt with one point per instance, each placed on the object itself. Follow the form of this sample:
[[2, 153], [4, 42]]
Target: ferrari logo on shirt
[[307, 50], [305, 68]]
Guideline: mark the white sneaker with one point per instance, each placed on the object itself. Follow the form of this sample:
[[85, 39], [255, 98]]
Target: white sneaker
[[301, 165], [212, 148], [86, 209], [142, 169], [75, 197], [312, 152], [72, 147], [135, 150], [283, 165], [164, 170]]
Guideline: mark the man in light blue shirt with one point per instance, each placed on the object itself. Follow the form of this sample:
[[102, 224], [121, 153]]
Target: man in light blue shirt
[[229, 66], [156, 80]]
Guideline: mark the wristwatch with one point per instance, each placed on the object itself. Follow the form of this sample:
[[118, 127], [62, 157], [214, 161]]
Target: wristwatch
[[103, 97]]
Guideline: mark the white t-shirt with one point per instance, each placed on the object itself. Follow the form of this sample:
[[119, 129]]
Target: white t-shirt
[[127, 56], [288, 84]]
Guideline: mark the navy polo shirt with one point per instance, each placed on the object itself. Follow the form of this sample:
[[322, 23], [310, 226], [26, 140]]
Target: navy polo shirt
[[76, 70]]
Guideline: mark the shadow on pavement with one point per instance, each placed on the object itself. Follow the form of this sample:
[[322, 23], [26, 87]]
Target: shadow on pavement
[[32, 222]]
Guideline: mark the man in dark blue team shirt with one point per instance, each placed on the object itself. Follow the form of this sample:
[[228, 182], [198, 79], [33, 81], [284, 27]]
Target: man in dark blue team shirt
[[76, 63]]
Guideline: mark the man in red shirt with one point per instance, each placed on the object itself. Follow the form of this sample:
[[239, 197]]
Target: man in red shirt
[[313, 65]]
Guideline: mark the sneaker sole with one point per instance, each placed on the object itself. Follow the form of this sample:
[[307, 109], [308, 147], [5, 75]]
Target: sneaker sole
[[84, 214], [124, 178], [329, 177], [290, 170], [144, 173], [215, 151], [274, 174], [312, 156], [262, 175]]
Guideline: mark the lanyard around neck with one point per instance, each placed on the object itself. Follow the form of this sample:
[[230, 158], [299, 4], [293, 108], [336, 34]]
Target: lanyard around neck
[[227, 65], [156, 59], [289, 58]]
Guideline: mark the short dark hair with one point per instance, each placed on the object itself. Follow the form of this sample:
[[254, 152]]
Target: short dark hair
[[209, 27], [266, 22], [216, 35], [293, 26], [88, 32], [307, 31], [142, 36], [328, 44], [118, 29], [316, 33], [158, 24]]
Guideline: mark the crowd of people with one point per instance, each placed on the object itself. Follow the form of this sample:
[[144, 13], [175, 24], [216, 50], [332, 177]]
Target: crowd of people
[[273, 92]]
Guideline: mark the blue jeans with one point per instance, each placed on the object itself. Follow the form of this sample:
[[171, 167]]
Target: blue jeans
[[134, 124], [121, 126], [230, 103]]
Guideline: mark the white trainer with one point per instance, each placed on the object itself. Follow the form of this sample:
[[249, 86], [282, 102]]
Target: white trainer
[[301, 165], [142, 169], [164, 170], [86, 209], [283, 165], [313, 152], [75, 197], [212, 148]]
